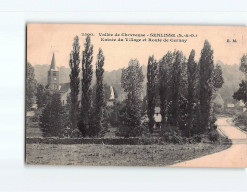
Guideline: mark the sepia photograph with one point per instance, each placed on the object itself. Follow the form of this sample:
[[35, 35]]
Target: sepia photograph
[[136, 95]]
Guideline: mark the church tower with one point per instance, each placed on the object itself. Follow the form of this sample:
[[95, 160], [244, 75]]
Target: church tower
[[53, 75]]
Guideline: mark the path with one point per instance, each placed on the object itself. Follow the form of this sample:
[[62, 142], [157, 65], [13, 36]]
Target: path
[[235, 156]]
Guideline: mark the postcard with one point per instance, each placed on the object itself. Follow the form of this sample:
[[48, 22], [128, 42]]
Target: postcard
[[136, 95]]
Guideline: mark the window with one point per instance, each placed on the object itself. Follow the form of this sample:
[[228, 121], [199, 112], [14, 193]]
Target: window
[[54, 74]]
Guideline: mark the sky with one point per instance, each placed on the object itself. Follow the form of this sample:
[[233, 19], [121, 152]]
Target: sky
[[44, 39]]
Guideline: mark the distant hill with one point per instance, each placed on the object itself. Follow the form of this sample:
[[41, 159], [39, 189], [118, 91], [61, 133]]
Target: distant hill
[[231, 74]]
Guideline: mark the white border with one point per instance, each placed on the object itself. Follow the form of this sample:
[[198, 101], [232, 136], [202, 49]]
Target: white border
[[15, 176]]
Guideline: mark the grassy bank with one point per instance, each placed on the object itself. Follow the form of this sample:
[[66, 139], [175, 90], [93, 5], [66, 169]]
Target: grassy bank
[[117, 155]]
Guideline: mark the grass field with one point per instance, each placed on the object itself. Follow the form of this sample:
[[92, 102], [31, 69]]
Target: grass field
[[117, 155]]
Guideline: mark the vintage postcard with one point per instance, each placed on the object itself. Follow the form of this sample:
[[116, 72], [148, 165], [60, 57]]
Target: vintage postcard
[[136, 95]]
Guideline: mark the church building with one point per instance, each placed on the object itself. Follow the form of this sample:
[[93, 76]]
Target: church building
[[54, 84], [53, 75]]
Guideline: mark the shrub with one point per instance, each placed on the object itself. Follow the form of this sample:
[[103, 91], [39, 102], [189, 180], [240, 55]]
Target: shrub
[[125, 131], [241, 119], [171, 134], [213, 136], [76, 134], [197, 138]]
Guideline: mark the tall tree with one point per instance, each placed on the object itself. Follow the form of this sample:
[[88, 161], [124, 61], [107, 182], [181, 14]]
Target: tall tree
[[165, 65], [74, 82], [206, 85], [87, 73], [107, 93], [30, 86], [192, 74], [175, 88], [99, 100], [132, 82], [152, 71], [52, 118]]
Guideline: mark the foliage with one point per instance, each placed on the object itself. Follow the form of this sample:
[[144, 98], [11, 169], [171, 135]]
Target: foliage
[[30, 86], [164, 66], [87, 72], [52, 118], [206, 87], [171, 134], [114, 113], [193, 78], [74, 82], [213, 136], [131, 81], [125, 131], [241, 94], [151, 92], [241, 119], [243, 65], [175, 88], [43, 96], [37, 115], [218, 80], [99, 99]]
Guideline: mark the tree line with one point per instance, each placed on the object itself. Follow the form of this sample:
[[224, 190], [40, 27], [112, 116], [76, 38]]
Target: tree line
[[182, 88], [85, 114]]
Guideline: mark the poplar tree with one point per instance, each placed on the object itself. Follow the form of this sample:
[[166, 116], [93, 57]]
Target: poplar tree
[[164, 66], [74, 82], [174, 88], [152, 70], [99, 99], [206, 85], [192, 75], [87, 73]]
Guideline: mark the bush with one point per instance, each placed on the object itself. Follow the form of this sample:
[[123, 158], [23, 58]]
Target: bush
[[76, 134], [241, 119], [213, 136], [197, 138], [125, 131], [171, 134]]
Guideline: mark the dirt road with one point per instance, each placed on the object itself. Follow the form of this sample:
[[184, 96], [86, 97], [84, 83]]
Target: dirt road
[[235, 156]]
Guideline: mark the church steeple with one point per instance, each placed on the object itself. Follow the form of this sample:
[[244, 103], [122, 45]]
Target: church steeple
[[53, 63], [53, 75]]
